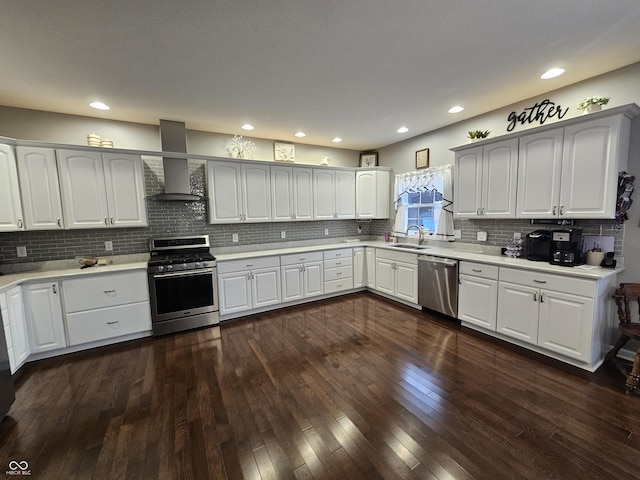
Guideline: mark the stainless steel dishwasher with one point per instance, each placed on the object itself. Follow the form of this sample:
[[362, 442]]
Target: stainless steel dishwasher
[[438, 284]]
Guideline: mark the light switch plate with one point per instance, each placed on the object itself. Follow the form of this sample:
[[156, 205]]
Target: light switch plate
[[482, 236], [21, 251]]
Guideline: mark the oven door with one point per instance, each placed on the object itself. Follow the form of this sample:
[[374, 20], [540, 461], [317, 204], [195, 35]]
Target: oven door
[[179, 294]]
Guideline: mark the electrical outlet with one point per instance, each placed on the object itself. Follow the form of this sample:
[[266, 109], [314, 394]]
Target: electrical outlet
[[359, 229], [21, 251], [457, 234], [482, 236], [108, 246], [283, 234], [234, 238], [326, 231]]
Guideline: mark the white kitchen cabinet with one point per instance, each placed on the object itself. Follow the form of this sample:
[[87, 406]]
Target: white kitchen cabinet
[[45, 321], [40, 187], [302, 275], [372, 193], [238, 192], [485, 180], [291, 193], [18, 326], [478, 295], [556, 313], [397, 274], [572, 172], [370, 267], [106, 306], [101, 190], [248, 284], [10, 206], [359, 267], [338, 270], [4, 312], [334, 194]]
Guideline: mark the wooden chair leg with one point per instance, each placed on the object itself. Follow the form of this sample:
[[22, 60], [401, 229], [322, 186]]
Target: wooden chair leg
[[613, 353], [634, 377]]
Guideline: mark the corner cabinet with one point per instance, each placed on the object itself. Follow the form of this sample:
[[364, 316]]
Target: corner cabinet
[[485, 181], [334, 194], [101, 190], [45, 321], [372, 194], [10, 205], [238, 192]]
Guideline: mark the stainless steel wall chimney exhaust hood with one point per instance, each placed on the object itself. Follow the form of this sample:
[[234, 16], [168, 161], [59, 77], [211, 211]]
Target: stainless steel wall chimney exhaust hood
[[176, 170]]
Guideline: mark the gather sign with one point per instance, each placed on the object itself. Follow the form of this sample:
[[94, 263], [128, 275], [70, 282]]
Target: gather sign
[[540, 112]]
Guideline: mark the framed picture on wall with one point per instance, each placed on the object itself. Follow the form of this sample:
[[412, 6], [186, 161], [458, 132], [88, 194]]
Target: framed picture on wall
[[369, 159], [422, 158], [284, 152]]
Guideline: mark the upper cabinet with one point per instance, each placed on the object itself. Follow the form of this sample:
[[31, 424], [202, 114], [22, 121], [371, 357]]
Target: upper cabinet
[[485, 181], [102, 189], [291, 193], [372, 194], [38, 174], [238, 192], [334, 194], [10, 205]]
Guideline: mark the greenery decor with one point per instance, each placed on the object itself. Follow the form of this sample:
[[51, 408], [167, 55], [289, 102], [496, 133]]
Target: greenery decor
[[595, 100], [473, 134]]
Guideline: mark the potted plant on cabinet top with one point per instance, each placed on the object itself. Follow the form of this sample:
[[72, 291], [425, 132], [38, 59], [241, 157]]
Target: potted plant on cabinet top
[[475, 135], [593, 104]]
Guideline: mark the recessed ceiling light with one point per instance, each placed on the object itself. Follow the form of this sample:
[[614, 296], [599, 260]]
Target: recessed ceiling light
[[552, 73], [300, 134], [99, 106], [247, 126], [336, 139], [456, 109], [402, 130]]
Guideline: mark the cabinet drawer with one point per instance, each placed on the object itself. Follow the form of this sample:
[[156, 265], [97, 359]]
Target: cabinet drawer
[[297, 258], [336, 273], [334, 286], [339, 253], [558, 283], [479, 270], [94, 325], [338, 262], [105, 290], [248, 264], [393, 256]]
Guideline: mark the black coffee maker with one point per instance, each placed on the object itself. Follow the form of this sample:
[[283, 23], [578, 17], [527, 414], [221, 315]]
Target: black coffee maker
[[539, 245], [566, 247]]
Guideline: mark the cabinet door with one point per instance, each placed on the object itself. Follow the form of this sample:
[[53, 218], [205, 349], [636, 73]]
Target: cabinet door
[[589, 169], [539, 168], [370, 267], [566, 324], [292, 283], [17, 322], [38, 173], [359, 278], [235, 292], [478, 301], [345, 194], [303, 193], [313, 279], [84, 195], [44, 317], [467, 187], [518, 312], [265, 287], [385, 276], [224, 192], [406, 282], [124, 182], [282, 206], [10, 207], [256, 192], [372, 194], [499, 179], [324, 192]]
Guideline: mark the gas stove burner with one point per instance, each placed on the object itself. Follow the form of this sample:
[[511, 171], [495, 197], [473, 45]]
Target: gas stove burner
[[180, 253]]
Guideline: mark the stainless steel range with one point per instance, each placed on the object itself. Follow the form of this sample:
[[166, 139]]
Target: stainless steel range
[[183, 284]]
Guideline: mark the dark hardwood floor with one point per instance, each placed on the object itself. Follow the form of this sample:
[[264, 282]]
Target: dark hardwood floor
[[354, 387]]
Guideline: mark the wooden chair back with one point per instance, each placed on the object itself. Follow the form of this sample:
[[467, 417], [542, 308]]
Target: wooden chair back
[[624, 296]]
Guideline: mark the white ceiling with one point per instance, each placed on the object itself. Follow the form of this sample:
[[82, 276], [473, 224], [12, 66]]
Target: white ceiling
[[358, 69]]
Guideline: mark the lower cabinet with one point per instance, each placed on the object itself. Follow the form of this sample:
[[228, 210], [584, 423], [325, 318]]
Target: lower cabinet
[[359, 269], [248, 284], [338, 270], [478, 295], [105, 306], [14, 311], [397, 274], [302, 275], [45, 321], [370, 266]]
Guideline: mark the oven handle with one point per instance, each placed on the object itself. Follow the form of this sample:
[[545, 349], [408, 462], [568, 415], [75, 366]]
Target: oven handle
[[183, 274]]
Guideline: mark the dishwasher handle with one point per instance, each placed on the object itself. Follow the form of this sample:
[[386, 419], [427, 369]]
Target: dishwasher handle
[[438, 260]]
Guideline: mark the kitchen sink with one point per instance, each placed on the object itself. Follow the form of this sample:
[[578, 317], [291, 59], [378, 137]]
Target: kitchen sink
[[409, 247]]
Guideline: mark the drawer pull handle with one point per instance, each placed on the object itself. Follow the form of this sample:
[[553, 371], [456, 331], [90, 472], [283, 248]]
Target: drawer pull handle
[[478, 270], [542, 298], [535, 297], [338, 273], [539, 281], [111, 293], [302, 259], [338, 263], [59, 223], [55, 290], [113, 323], [249, 265]]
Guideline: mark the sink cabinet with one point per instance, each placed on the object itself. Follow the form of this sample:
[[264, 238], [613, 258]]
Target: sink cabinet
[[397, 274]]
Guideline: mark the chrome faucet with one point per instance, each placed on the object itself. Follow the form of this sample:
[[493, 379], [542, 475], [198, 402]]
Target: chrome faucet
[[420, 233]]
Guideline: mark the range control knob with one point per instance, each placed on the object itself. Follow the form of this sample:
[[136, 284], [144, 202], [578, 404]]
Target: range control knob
[[169, 268], [198, 265], [161, 268], [184, 266], [205, 264]]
